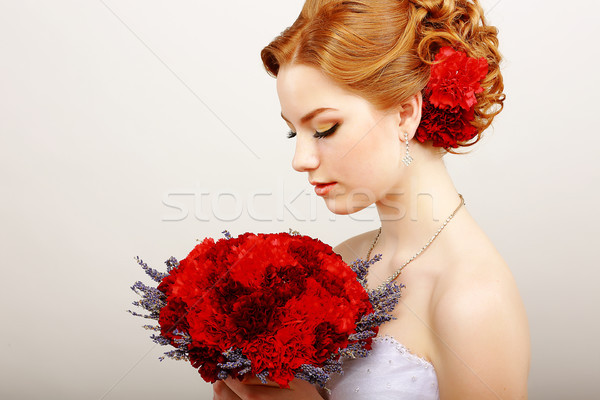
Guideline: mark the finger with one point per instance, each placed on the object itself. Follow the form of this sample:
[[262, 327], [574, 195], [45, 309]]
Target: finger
[[244, 390], [250, 379], [300, 385], [299, 390], [223, 392]]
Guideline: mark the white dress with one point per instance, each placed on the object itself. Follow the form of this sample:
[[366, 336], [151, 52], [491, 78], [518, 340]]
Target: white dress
[[390, 371]]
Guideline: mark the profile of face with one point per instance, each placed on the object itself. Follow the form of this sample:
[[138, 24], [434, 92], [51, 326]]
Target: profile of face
[[342, 138]]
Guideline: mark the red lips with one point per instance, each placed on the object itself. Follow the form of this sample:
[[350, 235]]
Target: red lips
[[317, 183], [322, 188]]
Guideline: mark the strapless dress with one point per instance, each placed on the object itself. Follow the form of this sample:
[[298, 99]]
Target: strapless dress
[[390, 371]]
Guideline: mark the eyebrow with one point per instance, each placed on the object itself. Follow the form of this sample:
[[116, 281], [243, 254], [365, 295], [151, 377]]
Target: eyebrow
[[310, 115]]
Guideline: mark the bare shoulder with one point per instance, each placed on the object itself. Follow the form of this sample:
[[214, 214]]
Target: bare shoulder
[[482, 343], [356, 246]]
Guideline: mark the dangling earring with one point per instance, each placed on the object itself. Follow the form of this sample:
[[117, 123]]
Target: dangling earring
[[407, 158]]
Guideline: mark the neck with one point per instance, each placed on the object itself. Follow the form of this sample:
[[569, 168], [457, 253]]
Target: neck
[[417, 206]]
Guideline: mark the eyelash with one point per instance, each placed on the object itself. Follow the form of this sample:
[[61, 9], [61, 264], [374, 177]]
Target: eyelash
[[318, 134]]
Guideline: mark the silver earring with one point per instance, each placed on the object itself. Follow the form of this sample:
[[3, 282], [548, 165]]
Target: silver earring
[[407, 158]]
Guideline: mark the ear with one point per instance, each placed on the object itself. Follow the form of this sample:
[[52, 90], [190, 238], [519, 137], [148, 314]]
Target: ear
[[410, 115]]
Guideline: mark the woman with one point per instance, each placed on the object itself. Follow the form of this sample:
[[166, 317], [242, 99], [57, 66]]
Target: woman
[[373, 115]]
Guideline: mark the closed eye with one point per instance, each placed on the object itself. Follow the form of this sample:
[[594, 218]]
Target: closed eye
[[318, 134]]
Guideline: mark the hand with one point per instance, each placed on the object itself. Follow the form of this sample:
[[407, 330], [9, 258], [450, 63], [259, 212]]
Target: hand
[[253, 389]]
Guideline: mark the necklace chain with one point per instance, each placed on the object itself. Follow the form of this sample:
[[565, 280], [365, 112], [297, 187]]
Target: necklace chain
[[395, 274]]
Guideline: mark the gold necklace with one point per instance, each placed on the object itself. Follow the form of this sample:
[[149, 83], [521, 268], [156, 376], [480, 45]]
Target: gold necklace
[[395, 274]]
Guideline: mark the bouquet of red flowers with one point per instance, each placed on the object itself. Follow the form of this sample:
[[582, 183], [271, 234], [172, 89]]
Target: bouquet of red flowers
[[278, 306]]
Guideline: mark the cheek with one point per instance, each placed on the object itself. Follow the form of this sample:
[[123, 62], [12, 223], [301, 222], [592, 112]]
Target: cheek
[[372, 152]]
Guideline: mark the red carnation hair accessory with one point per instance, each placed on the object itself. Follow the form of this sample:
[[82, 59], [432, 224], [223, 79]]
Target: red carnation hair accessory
[[449, 98]]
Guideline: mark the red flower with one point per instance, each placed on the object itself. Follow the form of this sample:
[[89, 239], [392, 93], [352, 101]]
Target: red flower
[[449, 98], [455, 79], [445, 127]]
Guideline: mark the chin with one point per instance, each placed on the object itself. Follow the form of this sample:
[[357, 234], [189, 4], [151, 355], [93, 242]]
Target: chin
[[340, 206]]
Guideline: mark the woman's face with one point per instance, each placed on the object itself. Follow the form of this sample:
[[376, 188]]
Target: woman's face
[[361, 152]]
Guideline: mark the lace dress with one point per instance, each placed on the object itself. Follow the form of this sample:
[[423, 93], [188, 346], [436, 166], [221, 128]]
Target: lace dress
[[390, 371]]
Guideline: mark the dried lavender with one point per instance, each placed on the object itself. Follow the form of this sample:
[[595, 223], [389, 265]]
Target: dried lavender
[[263, 376], [235, 359], [163, 341], [171, 264], [184, 340], [333, 364], [152, 327], [387, 297], [154, 274], [361, 267], [383, 301], [176, 354], [152, 301], [354, 350], [312, 374], [361, 335]]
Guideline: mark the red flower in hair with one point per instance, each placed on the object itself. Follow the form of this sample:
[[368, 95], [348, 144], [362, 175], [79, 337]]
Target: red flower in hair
[[455, 79], [445, 127], [449, 98]]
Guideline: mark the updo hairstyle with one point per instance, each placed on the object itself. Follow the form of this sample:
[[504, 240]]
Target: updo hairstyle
[[382, 50]]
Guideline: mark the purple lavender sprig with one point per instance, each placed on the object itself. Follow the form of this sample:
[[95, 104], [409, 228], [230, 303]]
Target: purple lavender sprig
[[263, 376], [361, 268], [333, 364], [177, 354], [235, 360], [152, 273], [320, 376], [387, 298], [312, 374], [163, 341], [171, 264], [152, 327], [383, 302], [354, 350], [153, 300]]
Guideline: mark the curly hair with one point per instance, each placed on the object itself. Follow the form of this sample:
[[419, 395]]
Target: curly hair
[[382, 50]]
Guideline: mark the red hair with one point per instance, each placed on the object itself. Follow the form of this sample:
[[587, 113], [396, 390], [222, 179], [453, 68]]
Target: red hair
[[382, 50]]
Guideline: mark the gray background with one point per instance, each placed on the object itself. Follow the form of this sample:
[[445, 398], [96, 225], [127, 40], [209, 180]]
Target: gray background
[[136, 127]]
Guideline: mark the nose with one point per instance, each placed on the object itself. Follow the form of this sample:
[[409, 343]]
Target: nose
[[306, 155]]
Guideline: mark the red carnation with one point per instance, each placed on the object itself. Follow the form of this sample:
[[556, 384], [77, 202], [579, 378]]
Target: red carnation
[[449, 98], [455, 79], [445, 127]]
